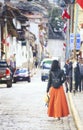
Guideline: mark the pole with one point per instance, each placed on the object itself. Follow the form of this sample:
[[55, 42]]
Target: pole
[[5, 38], [67, 37], [74, 51], [0, 41]]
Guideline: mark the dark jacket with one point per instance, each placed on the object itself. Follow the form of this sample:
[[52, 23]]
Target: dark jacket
[[81, 68], [77, 71], [70, 69], [66, 66], [57, 72]]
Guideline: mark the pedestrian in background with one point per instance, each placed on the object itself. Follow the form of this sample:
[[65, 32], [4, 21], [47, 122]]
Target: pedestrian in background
[[77, 77], [81, 73], [70, 75], [66, 71], [57, 106]]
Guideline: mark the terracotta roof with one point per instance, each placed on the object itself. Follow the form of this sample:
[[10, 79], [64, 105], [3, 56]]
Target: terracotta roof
[[11, 12]]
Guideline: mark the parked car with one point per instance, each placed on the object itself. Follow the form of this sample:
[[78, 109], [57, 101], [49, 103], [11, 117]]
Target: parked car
[[5, 74], [45, 67], [21, 74]]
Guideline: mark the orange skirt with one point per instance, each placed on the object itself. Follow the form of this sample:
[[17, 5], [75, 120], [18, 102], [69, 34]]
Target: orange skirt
[[58, 106]]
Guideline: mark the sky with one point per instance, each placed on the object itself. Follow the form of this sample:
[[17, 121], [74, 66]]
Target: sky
[[52, 1]]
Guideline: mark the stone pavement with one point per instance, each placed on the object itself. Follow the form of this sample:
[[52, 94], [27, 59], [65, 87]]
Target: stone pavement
[[76, 105]]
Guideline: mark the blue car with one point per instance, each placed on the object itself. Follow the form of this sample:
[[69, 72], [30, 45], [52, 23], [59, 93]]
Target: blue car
[[22, 74]]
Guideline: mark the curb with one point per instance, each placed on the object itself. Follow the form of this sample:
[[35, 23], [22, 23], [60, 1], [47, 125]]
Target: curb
[[75, 114]]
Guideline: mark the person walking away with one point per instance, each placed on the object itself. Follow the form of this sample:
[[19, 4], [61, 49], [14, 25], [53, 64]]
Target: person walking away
[[77, 78], [81, 74], [70, 76], [57, 106], [66, 71], [36, 62]]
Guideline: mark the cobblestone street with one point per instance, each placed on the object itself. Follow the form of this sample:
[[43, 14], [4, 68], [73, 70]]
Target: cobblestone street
[[22, 107]]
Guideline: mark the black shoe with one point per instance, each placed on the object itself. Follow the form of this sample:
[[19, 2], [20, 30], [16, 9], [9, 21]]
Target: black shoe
[[66, 90], [57, 119]]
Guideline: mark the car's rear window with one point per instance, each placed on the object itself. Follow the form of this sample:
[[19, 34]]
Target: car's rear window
[[20, 71], [3, 64], [47, 64]]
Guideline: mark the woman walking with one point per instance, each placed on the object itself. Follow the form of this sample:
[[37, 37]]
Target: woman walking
[[58, 106]]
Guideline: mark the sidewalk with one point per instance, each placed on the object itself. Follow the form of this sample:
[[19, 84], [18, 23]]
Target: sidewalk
[[76, 105]]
